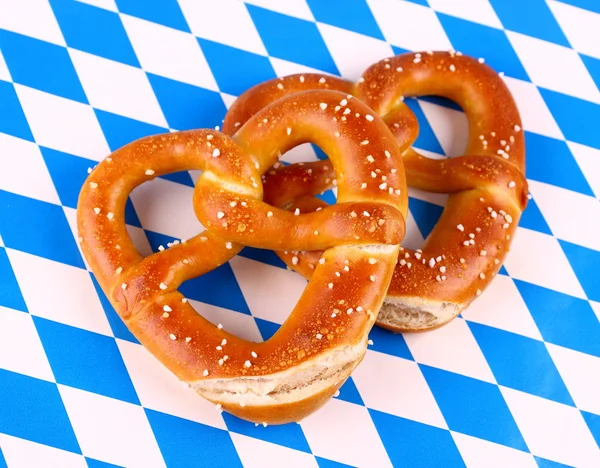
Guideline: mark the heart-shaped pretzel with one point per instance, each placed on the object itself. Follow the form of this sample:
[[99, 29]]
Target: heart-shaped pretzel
[[325, 337], [487, 186]]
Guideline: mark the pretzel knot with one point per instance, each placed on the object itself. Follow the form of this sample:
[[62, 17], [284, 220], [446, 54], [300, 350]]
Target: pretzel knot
[[325, 337], [487, 185]]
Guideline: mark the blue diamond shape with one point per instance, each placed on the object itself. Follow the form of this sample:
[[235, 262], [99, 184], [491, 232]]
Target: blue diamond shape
[[426, 139], [474, 407], [288, 435], [91, 463], [349, 393], [292, 39], [357, 16], [187, 443], [90, 362], [10, 293], [593, 66], [68, 174], [582, 129], [387, 342], [477, 40], [521, 363], [186, 106], [593, 422], [225, 62], [533, 219], [586, 264], [563, 320], [32, 409], [165, 12], [94, 30], [12, 117], [417, 445], [519, 19], [25, 224], [219, 288], [263, 256], [116, 324], [550, 161], [41, 65], [325, 463], [120, 130], [544, 463], [2, 460], [266, 328], [591, 5], [426, 215]]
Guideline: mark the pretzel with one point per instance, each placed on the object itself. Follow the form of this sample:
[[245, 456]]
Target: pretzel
[[487, 186], [297, 370]]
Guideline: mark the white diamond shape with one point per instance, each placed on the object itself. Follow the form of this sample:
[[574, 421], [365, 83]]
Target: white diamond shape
[[582, 27], [111, 430], [62, 124], [546, 64], [552, 430], [410, 26], [396, 386], [300, 153], [453, 348], [534, 112], [589, 162], [480, 11], [236, 323], [20, 347], [343, 44], [21, 453], [572, 217], [256, 453], [275, 303], [581, 374], [166, 207], [502, 306], [329, 430], [208, 19], [59, 292], [539, 259], [296, 8], [159, 390], [478, 453], [118, 88], [450, 126], [284, 68], [169, 52], [18, 17], [24, 171]]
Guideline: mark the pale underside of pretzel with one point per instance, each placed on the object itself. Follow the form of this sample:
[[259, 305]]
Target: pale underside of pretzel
[[297, 370], [487, 185]]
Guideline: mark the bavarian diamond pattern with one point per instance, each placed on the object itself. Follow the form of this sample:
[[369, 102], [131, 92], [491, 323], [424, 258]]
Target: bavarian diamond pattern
[[514, 381]]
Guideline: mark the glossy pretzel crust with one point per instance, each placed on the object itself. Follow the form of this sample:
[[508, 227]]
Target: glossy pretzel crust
[[487, 186], [292, 374]]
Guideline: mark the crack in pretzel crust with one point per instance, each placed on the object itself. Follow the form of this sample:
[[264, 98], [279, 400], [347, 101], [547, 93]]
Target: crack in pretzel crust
[[301, 366], [487, 185]]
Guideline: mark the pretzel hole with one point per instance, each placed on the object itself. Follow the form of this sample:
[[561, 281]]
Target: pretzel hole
[[443, 127]]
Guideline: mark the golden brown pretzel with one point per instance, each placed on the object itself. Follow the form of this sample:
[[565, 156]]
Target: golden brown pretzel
[[487, 186], [307, 360]]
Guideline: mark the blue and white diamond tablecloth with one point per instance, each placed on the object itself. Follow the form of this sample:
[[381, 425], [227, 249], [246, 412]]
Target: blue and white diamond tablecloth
[[513, 382]]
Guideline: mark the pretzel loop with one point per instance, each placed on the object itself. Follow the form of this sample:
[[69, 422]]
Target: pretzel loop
[[302, 365], [487, 186]]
